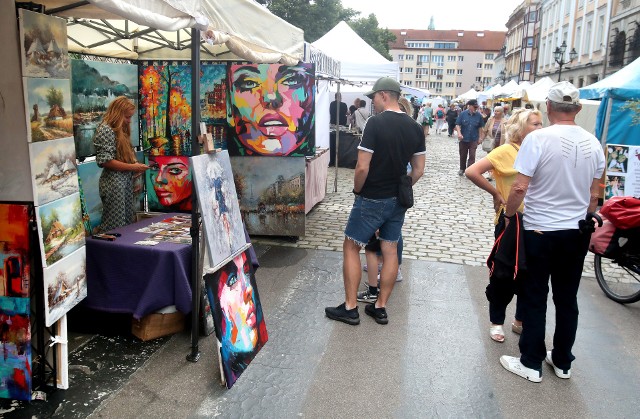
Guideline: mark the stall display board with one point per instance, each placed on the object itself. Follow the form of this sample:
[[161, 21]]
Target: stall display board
[[622, 171]]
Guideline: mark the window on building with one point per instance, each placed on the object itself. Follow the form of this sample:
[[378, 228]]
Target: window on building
[[460, 58], [408, 69], [479, 66], [408, 82], [449, 84], [488, 66], [488, 56], [400, 69], [451, 58], [478, 79], [400, 57], [459, 71], [409, 57], [444, 45], [486, 80], [423, 59], [533, 16], [567, 7], [437, 58], [587, 37], [599, 32], [527, 66], [436, 71], [451, 72], [458, 84], [529, 41]]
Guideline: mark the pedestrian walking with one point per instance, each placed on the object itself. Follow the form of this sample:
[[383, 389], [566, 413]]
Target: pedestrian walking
[[440, 115], [451, 117], [469, 129], [559, 170]]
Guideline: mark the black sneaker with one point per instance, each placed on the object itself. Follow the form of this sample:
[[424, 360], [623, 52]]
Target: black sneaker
[[341, 314], [367, 297], [378, 314]]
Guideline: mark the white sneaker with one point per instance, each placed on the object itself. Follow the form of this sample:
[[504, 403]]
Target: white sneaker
[[560, 373], [513, 364], [399, 277]]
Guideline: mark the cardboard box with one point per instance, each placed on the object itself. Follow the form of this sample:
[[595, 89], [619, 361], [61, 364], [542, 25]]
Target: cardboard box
[[155, 325]]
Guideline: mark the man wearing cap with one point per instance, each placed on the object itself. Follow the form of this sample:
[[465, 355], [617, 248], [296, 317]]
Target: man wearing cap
[[390, 140], [559, 170], [469, 129]]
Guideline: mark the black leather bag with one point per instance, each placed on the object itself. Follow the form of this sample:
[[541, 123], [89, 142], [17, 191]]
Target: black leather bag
[[405, 191]]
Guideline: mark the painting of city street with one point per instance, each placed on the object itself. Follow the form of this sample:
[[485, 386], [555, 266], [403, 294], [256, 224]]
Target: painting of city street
[[65, 285], [60, 228], [271, 194], [15, 339], [213, 102], [94, 85], [53, 170], [48, 103], [218, 202], [44, 45], [15, 252]]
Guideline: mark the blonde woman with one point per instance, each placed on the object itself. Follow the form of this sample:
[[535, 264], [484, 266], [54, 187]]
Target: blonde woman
[[500, 161], [115, 155]]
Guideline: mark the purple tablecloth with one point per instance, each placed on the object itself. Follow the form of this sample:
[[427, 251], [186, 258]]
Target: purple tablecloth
[[124, 277]]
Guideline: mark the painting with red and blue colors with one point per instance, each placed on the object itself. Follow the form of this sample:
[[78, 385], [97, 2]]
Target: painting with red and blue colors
[[15, 338]]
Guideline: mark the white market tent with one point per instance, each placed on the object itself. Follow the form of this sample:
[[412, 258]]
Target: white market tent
[[537, 92], [508, 89], [468, 95]]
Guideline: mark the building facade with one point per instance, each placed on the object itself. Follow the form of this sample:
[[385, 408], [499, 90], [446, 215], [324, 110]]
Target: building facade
[[624, 35], [520, 43], [446, 62]]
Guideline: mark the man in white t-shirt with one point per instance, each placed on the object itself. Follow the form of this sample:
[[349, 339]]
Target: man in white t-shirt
[[361, 115], [559, 170]]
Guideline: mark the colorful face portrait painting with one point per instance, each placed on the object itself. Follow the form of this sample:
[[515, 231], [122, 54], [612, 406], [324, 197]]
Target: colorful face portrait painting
[[271, 109], [94, 85], [165, 109], [271, 194], [15, 364], [237, 315], [65, 285], [218, 202], [15, 252], [60, 228], [48, 104], [168, 183], [53, 170], [44, 45]]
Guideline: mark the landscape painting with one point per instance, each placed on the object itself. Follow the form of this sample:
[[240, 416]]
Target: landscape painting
[[53, 170], [15, 251], [218, 202], [15, 364], [271, 194], [44, 45], [213, 102], [65, 285], [48, 103], [94, 85], [60, 228]]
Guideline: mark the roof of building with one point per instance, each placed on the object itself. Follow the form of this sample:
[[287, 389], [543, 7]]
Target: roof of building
[[469, 41]]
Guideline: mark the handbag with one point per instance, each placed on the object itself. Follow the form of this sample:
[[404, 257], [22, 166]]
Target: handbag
[[487, 144], [405, 191]]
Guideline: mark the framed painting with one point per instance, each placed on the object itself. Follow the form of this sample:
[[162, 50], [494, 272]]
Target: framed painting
[[213, 102], [43, 41], [239, 322], [65, 285], [271, 194], [48, 110], [53, 170], [15, 364], [15, 251], [271, 110], [168, 183]]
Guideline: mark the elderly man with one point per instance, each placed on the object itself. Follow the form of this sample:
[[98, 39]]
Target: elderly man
[[390, 140], [559, 170], [469, 129]]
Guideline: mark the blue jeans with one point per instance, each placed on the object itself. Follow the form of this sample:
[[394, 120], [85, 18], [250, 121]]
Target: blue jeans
[[368, 215]]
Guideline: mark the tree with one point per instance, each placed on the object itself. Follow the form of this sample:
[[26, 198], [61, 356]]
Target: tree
[[367, 28], [54, 97]]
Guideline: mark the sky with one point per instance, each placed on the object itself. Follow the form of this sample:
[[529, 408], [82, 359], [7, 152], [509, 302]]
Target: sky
[[451, 14]]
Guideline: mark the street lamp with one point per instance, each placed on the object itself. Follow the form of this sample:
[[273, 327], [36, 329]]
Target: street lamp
[[502, 75], [558, 55]]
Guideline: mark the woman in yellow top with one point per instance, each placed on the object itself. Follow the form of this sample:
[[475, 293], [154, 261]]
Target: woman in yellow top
[[500, 161]]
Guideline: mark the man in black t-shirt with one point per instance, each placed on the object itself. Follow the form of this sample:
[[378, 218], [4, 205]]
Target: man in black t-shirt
[[390, 140], [342, 110]]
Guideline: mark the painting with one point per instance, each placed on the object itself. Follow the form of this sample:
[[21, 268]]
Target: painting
[[237, 315], [271, 109], [53, 170], [169, 183], [60, 228], [271, 194], [94, 85], [65, 285], [44, 45], [15, 364], [213, 102], [15, 251], [218, 202], [48, 104], [165, 109]]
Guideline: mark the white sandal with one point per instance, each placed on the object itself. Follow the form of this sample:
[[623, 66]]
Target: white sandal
[[497, 333]]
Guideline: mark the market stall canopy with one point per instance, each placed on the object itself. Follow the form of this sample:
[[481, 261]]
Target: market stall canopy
[[538, 91], [623, 84], [468, 95], [157, 29], [508, 90], [415, 92], [359, 62]]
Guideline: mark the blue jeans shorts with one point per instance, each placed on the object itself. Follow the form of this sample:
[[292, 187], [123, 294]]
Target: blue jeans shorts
[[369, 215]]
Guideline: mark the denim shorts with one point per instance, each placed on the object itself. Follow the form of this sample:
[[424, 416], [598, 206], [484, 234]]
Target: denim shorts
[[369, 215]]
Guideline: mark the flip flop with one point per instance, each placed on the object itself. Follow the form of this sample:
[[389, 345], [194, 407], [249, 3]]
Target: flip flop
[[497, 333]]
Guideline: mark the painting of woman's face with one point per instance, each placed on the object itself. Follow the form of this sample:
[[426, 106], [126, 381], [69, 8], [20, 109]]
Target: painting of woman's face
[[272, 108], [171, 181]]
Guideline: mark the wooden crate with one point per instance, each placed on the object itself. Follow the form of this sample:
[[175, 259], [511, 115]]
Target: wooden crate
[[156, 325]]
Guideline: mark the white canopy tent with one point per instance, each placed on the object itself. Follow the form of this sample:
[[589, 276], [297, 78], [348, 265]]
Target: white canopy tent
[[537, 92], [468, 95]]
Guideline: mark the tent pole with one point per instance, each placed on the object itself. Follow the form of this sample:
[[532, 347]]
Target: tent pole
[[607, 119], [335, 178], [195, 230]]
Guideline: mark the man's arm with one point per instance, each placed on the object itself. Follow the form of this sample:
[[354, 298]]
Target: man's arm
[[417, 167], [362, 170], [595, 195], [516, 196]]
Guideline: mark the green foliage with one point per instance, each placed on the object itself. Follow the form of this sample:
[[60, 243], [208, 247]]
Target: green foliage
[[633, 106], [367, 28], [54, 97]]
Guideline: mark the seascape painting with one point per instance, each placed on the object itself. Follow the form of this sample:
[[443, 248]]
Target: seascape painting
[[53, 170], [43, 42], [15, 251], [60, 228], [239, 322], [218, 202], [271, 194], [15, 364], [65, 285], [169, 184], [94, 85], [213, 102], [271, 110], [48, 103]]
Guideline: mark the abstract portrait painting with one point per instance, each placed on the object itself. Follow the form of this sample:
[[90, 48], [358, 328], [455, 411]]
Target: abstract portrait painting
[[271, 194], [44, 45], [48, 103], [15, 364], [168, 183], [53, 170], [237, 315], [65, 285], [218, 202], [15, 250], [271, 109], [60, 228]]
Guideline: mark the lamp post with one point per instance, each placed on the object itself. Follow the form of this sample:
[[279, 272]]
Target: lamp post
[[502, 75], [558, 56]]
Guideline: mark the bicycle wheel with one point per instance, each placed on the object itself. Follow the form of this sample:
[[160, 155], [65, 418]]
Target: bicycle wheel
[[620, 283]]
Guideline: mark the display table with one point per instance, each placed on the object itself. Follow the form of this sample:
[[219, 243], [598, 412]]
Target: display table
[[347, 149], [315, 179], [124, 277]]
